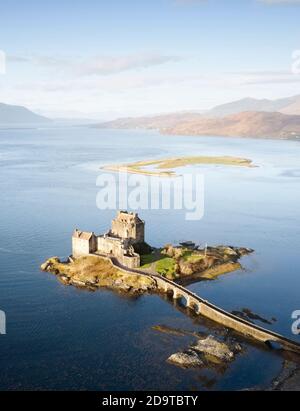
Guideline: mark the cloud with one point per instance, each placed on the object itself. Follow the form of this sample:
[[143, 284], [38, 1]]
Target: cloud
[[42, 61], [267, 77], [17, 59], [99, 65], [115, 84], [111, 65]]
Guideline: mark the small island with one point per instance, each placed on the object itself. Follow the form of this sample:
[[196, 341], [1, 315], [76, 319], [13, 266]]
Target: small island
[[121, 259], [164, 167]]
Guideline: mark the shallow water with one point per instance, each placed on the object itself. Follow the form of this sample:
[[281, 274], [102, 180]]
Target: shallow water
[[60, 337]]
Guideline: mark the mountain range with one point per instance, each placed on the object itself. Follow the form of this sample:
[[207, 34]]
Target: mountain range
[[15, 115], [246, 124], [248, 117], [289, 105]]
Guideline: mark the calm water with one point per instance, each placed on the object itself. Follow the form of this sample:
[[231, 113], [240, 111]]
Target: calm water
[[63, 338]]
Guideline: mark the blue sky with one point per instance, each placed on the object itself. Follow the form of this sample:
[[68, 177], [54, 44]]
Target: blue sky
[[112, 58]]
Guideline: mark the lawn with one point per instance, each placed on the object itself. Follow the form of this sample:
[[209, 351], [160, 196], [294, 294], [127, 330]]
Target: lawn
[[147, 260], [163, 265], [166, 267]]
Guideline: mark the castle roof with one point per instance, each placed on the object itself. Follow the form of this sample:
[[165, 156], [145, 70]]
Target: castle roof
[[83, 235]]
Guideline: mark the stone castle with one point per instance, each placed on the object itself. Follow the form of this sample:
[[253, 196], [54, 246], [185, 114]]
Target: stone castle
[[127, 233]]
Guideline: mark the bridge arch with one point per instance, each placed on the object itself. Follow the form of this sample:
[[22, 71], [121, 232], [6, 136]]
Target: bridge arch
[[184, 300], [170, 292], [195, 306]]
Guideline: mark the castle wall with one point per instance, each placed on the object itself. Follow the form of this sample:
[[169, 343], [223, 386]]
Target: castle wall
[[116, 247], [131, 262], [109, 245], [83, 247]]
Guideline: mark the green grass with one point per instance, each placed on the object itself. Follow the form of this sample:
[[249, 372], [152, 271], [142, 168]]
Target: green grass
[[187, 254], [166, 267], [194, 258], [147, 260]]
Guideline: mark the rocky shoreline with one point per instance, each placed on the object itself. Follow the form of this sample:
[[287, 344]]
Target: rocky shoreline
[[177, 263], [190, 264], [94, 272]]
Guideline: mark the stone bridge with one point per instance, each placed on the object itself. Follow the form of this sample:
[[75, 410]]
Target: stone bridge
[[220, 316], [214, 313]]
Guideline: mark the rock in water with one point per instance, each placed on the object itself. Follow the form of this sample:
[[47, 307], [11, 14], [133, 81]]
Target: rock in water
[[213, 347], [45, 266], [186, 359]]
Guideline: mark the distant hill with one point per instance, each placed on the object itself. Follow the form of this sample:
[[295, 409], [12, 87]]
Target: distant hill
[[260, 124], [73, 121], [151, 122], [289, 105], [173, 121], [10, 115], [246, 124]]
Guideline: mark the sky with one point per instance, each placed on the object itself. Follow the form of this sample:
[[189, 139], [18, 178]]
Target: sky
[[105, 59]]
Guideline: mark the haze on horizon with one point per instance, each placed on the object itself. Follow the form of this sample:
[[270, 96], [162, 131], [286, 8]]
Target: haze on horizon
[[98, 59]]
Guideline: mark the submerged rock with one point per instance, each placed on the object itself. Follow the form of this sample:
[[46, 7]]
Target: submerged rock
[[172, 331], [288, 379], [186, 359], [206, 352], [249, 315]]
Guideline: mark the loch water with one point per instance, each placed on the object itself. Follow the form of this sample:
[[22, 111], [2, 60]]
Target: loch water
[[61, 337]]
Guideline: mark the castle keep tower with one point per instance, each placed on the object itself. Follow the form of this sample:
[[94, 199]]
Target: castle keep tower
[[128, 226], [126, 235]]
